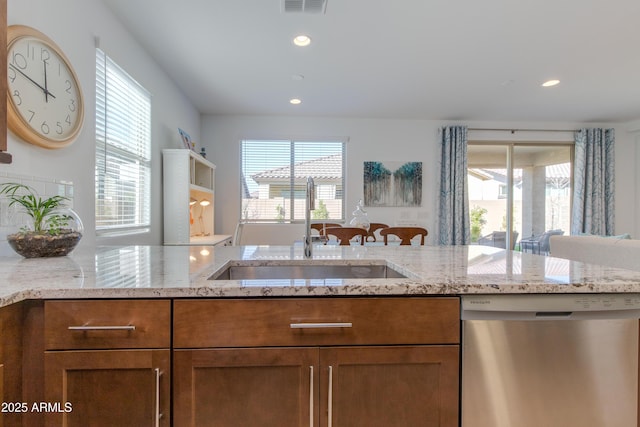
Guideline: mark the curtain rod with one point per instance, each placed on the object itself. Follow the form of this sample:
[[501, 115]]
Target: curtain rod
[[522, 130]]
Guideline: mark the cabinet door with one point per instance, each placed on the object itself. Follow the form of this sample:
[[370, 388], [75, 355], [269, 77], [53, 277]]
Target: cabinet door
[[389, 386], [108, 388], [12, 390], [2, 393], [252, 387]]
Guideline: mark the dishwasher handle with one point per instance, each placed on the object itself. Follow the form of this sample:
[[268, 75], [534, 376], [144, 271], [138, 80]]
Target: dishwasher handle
[[554, 314]]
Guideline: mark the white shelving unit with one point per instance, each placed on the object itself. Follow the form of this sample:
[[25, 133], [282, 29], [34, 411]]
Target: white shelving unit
[[189, 203]]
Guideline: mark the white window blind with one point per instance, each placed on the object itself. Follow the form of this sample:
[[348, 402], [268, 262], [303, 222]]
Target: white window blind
[[123, 150], [274, 175]]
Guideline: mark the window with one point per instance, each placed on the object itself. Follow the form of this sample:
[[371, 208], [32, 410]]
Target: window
[[123, 150], [522, 186], [274, 175]]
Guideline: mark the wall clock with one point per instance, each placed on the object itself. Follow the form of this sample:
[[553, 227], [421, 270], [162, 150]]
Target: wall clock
[[44, 99]]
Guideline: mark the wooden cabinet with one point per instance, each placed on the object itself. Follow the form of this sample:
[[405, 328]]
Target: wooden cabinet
[[389, 386], [107, 362], [107, 324], [11, 355], [255, 387], [290, 322], [108, 388], [352, 386], [337, 362], [329, 362], [189, 205]]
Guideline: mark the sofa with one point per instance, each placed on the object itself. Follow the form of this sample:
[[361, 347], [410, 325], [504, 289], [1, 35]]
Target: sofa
[[616, 251]]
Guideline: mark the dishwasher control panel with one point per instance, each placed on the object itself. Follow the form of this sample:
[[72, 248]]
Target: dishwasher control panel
[[546, 306]]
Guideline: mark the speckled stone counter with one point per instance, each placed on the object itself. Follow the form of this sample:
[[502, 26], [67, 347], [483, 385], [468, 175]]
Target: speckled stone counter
[[183, 271]]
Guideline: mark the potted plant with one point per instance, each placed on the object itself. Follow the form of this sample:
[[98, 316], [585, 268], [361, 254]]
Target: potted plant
[[55, 230]]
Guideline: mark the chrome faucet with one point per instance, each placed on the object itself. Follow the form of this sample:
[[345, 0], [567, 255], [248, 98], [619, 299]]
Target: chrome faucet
[[309, 206]]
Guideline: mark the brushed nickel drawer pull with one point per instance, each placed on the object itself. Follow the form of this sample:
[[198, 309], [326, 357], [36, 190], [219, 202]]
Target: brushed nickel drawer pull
[[311, 396], [321, 325], [330, 398], [158, 414], [103, 328]]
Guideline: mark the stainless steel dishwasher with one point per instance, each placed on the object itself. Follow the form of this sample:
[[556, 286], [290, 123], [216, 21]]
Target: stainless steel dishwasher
[[550, 360]]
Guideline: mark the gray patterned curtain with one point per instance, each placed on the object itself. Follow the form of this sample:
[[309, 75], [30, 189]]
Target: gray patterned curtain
[[454, 225], [594, 181]]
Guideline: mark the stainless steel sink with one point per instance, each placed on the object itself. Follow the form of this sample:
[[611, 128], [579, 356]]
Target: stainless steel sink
[[307, 271]]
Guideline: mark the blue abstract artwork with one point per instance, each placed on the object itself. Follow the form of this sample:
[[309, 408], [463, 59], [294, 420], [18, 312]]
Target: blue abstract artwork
[[393, 183]]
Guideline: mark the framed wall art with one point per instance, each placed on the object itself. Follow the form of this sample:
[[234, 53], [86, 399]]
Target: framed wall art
[[393, 183]]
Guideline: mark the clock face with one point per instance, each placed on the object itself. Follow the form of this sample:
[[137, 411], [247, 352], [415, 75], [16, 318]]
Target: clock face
[[43, 92]]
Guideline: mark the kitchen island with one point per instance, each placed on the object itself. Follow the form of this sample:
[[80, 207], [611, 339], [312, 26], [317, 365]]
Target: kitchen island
[[191, 351], [183, 271]]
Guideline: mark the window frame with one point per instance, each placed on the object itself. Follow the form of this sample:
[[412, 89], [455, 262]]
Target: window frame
[[293, 187], [111, 151]]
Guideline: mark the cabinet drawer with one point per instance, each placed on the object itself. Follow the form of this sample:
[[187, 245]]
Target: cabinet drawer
[[316, 321], [107, 324]]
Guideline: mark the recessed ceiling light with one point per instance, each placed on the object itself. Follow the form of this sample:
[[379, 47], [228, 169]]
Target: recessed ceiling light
[[295, 101], [297, 77], [550, 83], [302, 40]]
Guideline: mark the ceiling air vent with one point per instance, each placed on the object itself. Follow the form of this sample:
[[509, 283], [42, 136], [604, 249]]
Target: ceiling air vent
[[304, 6]]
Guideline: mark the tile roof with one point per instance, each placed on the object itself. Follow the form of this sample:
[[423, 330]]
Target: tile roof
[[329, 167]]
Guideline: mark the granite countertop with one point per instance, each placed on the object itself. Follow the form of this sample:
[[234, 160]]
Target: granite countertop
[[183, 271]]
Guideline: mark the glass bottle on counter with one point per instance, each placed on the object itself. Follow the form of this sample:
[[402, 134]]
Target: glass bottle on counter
[[360, 218]]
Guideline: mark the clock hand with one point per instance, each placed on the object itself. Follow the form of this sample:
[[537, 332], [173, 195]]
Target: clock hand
[[47, 94], [32, 81], [46, 91]]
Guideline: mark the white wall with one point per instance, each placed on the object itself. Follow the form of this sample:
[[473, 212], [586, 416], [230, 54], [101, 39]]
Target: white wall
[[633, 156], [373, 139], [74, 25], [627, 180], [368, 139]]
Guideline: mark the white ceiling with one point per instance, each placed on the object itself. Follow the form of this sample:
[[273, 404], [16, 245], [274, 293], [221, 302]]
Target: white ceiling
[[419, 59]]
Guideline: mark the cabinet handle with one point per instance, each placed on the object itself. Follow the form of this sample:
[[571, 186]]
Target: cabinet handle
[[320, 325], [330, 398], [310, 396], [103, 328], [158, 414]]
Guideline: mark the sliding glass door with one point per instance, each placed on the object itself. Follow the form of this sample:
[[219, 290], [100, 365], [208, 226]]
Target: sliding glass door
[[523, 187]]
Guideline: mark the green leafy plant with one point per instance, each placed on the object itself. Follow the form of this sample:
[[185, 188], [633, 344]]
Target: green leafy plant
[[321, 211], [478, 221], [42, 211]]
